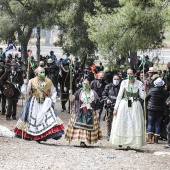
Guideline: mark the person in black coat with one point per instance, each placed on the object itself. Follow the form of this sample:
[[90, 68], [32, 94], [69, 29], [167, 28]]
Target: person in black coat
[[64, 80], [155, 105], [14, 78], [52, 72], [98, 86], [2, 96], [109, 95]]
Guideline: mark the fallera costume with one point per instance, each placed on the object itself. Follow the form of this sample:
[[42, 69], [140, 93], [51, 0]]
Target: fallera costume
[[128, 125], [38, 119], [83, 125]]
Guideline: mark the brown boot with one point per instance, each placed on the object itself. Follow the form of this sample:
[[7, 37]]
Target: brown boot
[[156, 139], [150, 136]]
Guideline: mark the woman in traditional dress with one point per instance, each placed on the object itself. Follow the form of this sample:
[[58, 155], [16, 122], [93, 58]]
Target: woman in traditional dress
[[128, 124], [38, 120], [83, 125]]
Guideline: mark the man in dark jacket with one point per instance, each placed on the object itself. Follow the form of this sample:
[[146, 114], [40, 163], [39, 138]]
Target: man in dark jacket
[[109, 95], [155, 105], [52, 72], [98, 86], [3, 97], [14, 78], [64, 80]]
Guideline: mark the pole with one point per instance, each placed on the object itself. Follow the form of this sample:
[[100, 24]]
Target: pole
[[144, 105], [38, 44], [26, 95], [71, 77]]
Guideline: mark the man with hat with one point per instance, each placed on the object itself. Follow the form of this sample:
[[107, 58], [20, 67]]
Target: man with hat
[[53, 57], [64, 80], [152, 71], [11, 81]]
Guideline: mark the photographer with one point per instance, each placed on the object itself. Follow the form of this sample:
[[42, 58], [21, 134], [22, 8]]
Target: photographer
[[109, 95]]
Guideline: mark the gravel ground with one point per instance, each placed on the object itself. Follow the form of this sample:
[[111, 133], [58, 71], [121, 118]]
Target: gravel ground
[[18, 154]]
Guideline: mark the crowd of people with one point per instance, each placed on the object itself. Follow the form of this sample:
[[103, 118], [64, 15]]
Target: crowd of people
[[133, 102]]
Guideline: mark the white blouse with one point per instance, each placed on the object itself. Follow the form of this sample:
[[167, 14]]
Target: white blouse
[[86, 100], [53, 92], [125, 85]]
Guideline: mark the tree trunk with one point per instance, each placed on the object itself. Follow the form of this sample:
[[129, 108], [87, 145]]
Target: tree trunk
[[38, 44], [24, 39], [133, 60], [24, 45]]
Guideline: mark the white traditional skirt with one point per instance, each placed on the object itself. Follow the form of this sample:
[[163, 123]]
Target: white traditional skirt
[[128, 126]]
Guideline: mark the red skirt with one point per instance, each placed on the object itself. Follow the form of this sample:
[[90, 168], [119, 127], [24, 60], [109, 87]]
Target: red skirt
[[53, 130]]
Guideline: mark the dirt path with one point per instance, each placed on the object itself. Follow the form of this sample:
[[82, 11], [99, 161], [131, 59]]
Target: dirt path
[[17, 154]]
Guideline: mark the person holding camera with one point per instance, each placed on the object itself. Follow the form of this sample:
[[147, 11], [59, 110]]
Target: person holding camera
[[109, 95]]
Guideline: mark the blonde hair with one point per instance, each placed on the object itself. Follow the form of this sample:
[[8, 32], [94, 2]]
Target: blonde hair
[[38, 69]]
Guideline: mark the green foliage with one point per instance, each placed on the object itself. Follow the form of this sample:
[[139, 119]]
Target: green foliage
[[73, 36], [24, 15], [136, 24]]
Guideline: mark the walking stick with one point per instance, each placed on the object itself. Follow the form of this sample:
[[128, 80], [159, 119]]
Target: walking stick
[[26, 95], [71, 77], [144, 104]]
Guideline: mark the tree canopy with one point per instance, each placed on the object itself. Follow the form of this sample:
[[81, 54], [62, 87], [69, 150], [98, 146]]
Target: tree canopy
[[112, 27], [24, 15], [133, 25]]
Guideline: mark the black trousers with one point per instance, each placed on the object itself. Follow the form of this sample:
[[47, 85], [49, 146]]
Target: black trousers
[[3, 100], [12, 107], [63, 104]]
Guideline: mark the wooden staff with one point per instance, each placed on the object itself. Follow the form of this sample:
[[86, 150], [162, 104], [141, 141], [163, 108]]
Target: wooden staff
[[144, 104], [71, 81], [26, 95]]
